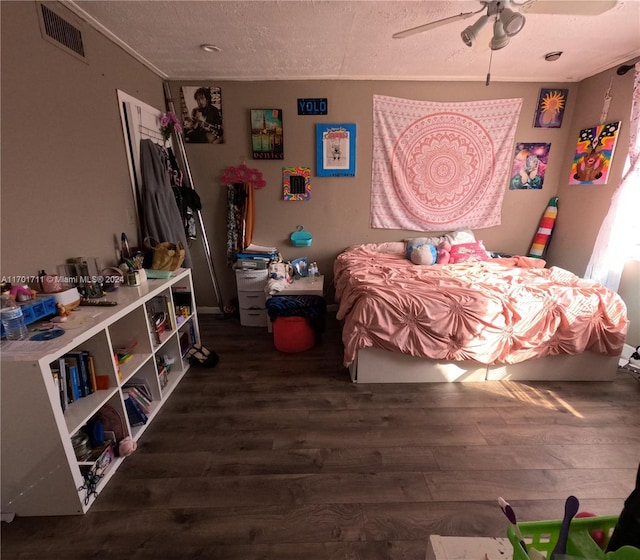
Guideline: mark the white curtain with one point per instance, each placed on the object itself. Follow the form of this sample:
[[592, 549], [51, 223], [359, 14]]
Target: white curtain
[[619, 230]]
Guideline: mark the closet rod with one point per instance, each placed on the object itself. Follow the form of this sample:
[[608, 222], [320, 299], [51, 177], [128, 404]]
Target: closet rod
[[205, 241]]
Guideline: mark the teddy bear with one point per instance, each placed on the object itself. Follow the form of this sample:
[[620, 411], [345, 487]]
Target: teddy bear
[[443, 253]]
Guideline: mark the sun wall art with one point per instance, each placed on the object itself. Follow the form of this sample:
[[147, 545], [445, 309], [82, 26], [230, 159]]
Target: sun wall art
[[594, 152], [550, 108]]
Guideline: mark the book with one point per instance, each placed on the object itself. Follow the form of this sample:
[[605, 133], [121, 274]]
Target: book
[[83, 371], [75, 381], [62, 368], [135, 414], [142, 386], [253, 248], [92, 373], [134, 394]]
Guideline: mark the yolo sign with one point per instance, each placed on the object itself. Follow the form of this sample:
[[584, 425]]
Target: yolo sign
[[313, 106]]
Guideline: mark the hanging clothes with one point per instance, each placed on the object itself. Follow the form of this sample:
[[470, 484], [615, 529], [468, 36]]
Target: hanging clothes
[[187, 198], [162, 220], [240, 219]]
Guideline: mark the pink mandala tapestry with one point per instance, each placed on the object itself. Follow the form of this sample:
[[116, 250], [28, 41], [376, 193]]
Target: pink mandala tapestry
[[440, 166]]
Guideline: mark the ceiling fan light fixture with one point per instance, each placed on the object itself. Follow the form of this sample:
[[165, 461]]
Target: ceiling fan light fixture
[[512, 22], [500, 39], [470, 34]]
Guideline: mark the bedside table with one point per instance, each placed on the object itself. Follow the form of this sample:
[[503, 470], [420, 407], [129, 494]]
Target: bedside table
[[301, 287]]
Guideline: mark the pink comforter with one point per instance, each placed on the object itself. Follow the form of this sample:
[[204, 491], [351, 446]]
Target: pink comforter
[[497, 311]]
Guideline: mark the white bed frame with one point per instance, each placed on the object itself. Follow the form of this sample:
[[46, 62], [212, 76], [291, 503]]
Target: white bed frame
[[374, 365]]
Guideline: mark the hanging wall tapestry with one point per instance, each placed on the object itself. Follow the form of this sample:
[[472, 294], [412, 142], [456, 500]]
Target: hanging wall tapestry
[[440, 166], [202, 115], [594, 152]]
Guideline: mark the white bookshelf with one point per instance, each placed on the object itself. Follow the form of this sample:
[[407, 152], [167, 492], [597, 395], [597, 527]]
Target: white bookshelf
[[40, 473]]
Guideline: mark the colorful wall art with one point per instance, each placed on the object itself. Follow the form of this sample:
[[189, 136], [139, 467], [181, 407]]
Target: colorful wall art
[[335, 150], [594, 152], [296, 183], [550, 108], [266, 134], [529, 165]]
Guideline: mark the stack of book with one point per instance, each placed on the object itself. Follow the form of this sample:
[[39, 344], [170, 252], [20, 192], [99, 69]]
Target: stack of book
[[138, 400], [75, 377], [256, 257]]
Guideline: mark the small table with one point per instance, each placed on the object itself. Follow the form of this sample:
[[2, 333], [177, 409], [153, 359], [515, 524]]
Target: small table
[[304, 286]]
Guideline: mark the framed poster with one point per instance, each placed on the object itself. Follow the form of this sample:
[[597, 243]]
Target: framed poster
[[529, 165], [266, 134], [202, 114], [550, 108], [296, 183], [335, 150], [594, 152]]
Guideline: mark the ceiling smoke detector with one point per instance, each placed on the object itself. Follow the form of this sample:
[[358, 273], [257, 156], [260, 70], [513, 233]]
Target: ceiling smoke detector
[[210, 48]]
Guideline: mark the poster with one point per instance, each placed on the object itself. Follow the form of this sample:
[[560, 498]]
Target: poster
[[550, 109], [594, 152], [335, 150], [267, 134], [529, 165], [202, 114]]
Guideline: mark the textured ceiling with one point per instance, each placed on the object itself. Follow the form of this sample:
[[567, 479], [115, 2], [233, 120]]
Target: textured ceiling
[[327, 39]]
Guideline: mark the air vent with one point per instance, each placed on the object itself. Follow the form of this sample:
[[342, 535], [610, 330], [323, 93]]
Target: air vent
[[60, 32]]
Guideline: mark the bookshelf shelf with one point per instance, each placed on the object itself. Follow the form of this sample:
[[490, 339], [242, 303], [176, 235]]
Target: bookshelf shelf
[[41, 474]]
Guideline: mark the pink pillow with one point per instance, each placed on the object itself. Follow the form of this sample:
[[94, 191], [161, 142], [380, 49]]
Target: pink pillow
[[467, 252]]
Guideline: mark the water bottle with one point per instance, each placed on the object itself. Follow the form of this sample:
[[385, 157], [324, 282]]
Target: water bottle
[[313, 271], [13, 320]]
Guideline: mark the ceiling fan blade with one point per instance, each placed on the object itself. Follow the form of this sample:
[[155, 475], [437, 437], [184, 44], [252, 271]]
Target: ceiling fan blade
[[432, 25], [566, 7]]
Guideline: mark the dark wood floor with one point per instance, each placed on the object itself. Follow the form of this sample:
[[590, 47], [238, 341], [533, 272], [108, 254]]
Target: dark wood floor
[[280, 456]]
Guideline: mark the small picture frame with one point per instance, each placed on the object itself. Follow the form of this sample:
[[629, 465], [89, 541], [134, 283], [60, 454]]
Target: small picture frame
[[296, 183], [336, 150]]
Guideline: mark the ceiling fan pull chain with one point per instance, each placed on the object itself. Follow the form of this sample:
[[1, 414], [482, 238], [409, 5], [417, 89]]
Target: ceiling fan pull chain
[[489, 71]]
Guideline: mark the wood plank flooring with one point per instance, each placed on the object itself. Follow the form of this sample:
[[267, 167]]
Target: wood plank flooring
[[279, 456]]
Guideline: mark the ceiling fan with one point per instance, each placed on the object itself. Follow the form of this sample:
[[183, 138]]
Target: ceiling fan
[[508, 22]]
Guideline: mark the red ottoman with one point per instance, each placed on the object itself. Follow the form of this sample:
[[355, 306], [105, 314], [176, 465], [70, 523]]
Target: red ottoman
[[292, 334]]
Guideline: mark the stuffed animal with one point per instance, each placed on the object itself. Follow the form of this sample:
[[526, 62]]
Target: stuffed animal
[[444, 253], [424, 254]]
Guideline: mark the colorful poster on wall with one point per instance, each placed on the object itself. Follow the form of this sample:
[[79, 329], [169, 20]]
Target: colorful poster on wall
[[550, 108], [202, 114], [529, 165], [296, 183], [594, 152], [335, 150], [267, 134]]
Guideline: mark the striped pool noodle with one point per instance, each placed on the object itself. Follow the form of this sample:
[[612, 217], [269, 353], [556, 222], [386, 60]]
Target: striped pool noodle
[[545, 229]]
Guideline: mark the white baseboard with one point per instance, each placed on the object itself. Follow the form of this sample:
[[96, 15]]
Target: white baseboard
[[213, 311]]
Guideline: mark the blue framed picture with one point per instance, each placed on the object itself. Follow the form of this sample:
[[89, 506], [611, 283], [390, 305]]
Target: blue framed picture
[[336, 150]]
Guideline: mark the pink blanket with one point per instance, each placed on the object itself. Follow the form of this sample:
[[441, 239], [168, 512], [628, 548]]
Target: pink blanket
[[496, 311]]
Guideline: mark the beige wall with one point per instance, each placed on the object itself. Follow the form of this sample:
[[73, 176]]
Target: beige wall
[[65, 181], [338, 213]]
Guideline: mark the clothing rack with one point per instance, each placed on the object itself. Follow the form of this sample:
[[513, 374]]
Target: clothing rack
[[205, 241]]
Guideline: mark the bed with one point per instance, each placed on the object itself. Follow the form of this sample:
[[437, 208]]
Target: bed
[[495, 319]]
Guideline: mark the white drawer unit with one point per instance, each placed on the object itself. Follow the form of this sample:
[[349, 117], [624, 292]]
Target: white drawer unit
[[251, 297]]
